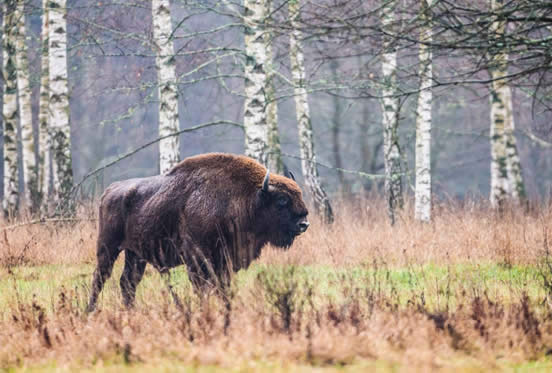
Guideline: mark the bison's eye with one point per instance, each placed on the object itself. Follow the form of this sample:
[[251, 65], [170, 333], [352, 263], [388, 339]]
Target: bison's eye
[[282, 201]]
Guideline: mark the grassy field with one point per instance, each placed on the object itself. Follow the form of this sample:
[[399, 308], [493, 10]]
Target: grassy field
[[471, 291]]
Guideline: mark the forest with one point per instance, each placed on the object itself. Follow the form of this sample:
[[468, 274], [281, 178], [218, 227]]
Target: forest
[[419, 131]]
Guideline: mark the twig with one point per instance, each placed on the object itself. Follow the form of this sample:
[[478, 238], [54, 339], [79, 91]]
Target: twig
[[359, 173], [136, 150], [42, 221], [537, 140]]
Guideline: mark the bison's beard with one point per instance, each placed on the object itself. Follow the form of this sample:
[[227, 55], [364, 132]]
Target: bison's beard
[[284, 239]]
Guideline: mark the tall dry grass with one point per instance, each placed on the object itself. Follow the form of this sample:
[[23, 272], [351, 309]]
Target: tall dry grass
[[282, 317], [459, 233], [48, 243], [468, 232]]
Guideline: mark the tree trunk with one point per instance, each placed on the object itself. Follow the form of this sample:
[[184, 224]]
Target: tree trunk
[[275, 163], [25, 111], [9, 110], [169, 152], [60, 130], [506, 176], [390, 115], [364, 144], [368, 151], [255, 115], [306, 138], [422, 205], [44, 159], [336, 127], [515, 176], [499, 171], [337, 146]]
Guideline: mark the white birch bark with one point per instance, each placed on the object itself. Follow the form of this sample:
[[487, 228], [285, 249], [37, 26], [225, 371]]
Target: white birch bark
[[390, 116], [422, 204], [9, 110], [60, 130], [306, 138], [25, 112], [255, 109], [169, 150], [44, 158], [274, 163], [513, 162], [516, 186], [506, 176], [499, 171]]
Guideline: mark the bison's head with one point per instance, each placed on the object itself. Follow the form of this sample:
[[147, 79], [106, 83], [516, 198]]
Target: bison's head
[[281, 210]]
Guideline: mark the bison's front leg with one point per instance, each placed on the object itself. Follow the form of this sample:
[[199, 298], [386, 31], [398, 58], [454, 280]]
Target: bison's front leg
[[204, 279], [200, 280], [131, 277], [166, 276]]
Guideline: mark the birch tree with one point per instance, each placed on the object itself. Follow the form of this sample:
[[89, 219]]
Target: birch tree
[[390, 115], [60, 130], [513, 162], [506, 177], [306, 138], [274, 163], [422, 204], [9, 110], [44, 154], [30, 176], [169, 152], [516, 186], [255, 115]]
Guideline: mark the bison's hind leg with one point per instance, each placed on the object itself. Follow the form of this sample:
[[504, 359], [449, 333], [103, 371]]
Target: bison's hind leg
[[106, 259], [131, 277]]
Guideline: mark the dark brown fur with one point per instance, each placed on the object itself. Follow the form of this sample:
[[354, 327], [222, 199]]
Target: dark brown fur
[[210, 212]]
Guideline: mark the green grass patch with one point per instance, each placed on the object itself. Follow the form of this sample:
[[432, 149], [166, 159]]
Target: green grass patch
[[435, 285]]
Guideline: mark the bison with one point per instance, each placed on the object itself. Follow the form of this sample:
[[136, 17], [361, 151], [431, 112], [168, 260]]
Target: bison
[[212, 213]]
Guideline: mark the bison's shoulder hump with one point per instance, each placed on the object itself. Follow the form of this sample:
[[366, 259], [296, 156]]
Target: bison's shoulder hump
[[237, 167]]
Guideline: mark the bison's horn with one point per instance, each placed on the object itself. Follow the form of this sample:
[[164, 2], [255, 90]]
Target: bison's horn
[[266, 180]]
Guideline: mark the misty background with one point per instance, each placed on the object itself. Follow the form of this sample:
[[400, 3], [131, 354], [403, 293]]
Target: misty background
[[114, 107]]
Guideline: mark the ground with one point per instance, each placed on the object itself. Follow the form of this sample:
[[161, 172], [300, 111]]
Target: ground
[[472, 291]]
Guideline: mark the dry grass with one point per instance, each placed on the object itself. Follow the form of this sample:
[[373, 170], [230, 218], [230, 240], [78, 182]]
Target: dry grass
[[361, 233], [458, 234], [329, 334], [281, 315]]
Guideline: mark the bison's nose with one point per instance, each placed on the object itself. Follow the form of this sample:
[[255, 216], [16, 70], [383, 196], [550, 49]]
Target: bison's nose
[[303, 225]]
